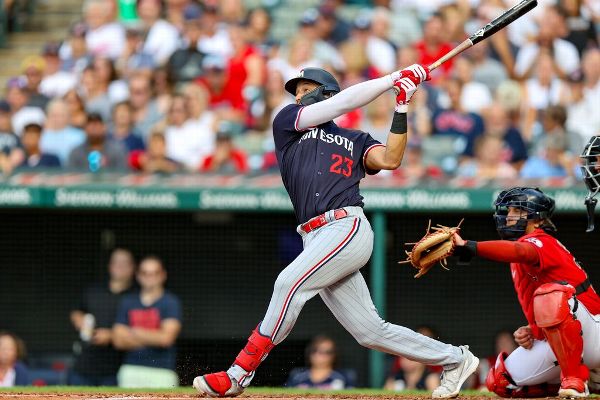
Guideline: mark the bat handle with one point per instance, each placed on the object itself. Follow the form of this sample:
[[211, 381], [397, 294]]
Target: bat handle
[[451, 54]]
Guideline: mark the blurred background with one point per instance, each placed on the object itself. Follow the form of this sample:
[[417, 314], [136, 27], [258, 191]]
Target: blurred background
[[131, 128]]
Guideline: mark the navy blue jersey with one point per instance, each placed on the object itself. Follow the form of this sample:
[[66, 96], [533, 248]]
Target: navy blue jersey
[[321, 167]]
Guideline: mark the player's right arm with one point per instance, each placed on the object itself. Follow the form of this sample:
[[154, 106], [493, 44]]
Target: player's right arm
[[355, 96]]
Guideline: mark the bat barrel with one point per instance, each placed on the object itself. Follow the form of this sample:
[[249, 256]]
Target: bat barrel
[[503, 20]]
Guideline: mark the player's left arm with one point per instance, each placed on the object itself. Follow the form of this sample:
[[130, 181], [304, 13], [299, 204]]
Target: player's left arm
[[390, 156], [499, 250]]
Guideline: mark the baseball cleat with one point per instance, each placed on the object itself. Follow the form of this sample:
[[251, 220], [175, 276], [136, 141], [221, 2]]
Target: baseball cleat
[[573, 388], [453, 379], [219, 384]]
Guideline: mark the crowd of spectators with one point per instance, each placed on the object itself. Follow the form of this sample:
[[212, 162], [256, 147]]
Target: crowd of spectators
[[189, 85]]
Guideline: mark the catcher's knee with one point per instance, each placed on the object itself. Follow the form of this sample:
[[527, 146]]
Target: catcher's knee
[[551, 304], [500, 382]]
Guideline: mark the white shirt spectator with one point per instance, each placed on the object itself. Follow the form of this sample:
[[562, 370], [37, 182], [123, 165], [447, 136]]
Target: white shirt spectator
[[191, 142], [540, 97], [381, 55], [27, 115], [475, 96], [583, 117], [9, 378], [162, 41], [107, 40], [58, 84], [565, 56], [219, 43]]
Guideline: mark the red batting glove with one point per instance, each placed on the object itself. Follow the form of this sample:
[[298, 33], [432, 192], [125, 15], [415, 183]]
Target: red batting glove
[[416, 72], [404, 88]]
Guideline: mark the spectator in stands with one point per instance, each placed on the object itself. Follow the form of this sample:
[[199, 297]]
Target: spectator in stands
[[105, 37], [181, 138], [321, 372], [98, 151], [486, 69], [226, 159], [324, 52], [95, 93], [414, 166], [56, 82], [475, 95], [225, 100], [134, 57], [583, 117], [582, 33], [59, 137], [162, 37], [163, 88], [74, 52], [498, 124], [122, 130], [8, 140], [29, 155], [185, 64], [258, 31], [455, 16], [550, 162], [76, 109], [17, 97], [145, 109], [147, 327], [215, 38], [380, 53], [12, 353], [98, 361], [434, 45], [33, 71], [488, 163], [406, 374], [298, 54], [154, 159], [108, 80], [454, 121], [330, 25], [201, 121], [563, 54], [377, 117], [554, 121]]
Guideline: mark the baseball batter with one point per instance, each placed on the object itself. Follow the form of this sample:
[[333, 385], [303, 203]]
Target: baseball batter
[[560, 346], [321, 166]]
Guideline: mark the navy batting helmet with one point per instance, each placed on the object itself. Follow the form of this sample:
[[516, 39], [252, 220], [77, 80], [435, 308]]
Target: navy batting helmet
[[328, 85], [533, 201]]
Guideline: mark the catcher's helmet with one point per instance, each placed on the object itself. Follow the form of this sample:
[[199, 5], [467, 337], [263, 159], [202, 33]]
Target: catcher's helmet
[[531, 200], [328, 85], [591, 176]]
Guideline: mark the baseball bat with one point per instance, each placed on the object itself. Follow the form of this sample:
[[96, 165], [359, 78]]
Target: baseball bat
[[500, 22]]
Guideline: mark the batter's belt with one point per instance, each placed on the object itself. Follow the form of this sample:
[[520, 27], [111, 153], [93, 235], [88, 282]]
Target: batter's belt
[[329, 216]]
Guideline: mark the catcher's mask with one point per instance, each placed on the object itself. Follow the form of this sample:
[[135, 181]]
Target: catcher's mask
[[328, 85], [533, 201], [590, 158]]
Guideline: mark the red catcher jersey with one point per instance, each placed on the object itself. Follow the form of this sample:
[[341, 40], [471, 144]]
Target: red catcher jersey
[[556, 264]]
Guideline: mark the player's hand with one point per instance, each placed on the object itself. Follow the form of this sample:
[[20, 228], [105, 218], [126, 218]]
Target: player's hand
[[524, 337], [458, 240], [404, 88], [416, 72], [102, 337]]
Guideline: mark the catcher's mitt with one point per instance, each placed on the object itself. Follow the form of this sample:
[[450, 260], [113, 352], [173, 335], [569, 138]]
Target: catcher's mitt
[[434, 247]]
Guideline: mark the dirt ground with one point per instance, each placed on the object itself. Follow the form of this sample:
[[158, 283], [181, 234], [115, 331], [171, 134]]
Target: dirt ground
[[179, 396]]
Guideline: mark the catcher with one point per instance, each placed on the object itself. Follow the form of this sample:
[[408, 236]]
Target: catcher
[[560, 346]]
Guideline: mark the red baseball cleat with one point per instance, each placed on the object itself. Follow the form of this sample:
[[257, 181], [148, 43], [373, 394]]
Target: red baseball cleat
[[219, 384], [571, 387]]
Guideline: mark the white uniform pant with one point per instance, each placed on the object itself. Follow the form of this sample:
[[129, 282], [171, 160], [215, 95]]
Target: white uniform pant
[[539, 365], [329, 266]]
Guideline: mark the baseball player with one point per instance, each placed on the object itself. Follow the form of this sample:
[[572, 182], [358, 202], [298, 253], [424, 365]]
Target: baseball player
[[561, 342], [321, 166], [590, 156]]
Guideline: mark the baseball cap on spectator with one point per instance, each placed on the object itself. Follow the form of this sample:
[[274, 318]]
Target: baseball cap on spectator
[[309, 17], [78, 29], [4, 106], [327, 11], [192, 12], [362, 22], [214, 62], [51, 49]]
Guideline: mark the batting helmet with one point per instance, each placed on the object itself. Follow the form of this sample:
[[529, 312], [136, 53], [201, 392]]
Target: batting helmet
[[328, 85], [533, 201]]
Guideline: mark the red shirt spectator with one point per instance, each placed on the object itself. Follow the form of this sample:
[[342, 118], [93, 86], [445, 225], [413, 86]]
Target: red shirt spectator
[[226, 158], [433, 46]]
